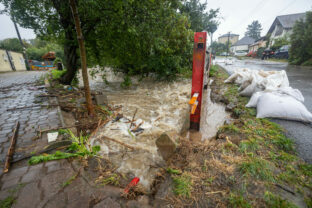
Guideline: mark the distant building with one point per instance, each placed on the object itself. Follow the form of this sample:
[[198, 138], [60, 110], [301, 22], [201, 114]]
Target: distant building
[[260, 43], [282, 26], [11, 61], [242, 44], [224, 38]]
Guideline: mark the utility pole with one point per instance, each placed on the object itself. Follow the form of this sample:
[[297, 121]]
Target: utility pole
[[228, 45], [23, 46]]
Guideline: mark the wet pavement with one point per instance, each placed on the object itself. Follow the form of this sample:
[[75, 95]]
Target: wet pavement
[[299, 78]]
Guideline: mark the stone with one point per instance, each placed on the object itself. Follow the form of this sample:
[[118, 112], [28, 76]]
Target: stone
[[101, 99], [230, 107], [107, 203], [14, 173], [166, 145], [34, 173], [29, 196]]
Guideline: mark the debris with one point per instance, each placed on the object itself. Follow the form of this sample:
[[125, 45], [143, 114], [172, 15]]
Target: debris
[[136, 110], [52, 136], [68, 87], [114, 140], [166, 146], [133, 183], [101, 99], [47, 83], [11, 148]]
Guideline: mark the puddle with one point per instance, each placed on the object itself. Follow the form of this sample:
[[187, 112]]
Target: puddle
[[162, 107]]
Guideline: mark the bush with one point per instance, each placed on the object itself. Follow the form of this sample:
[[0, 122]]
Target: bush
[[301, 42], [260, 51]]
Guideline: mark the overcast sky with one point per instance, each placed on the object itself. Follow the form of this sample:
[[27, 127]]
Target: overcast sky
[[235, 15]]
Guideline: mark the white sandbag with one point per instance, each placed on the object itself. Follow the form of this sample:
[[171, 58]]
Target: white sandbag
[[255, 85], [254, 100], [276, 80], [295, 93], [271, 105]]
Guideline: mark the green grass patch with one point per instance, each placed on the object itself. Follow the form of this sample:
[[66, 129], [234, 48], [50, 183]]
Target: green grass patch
[[249, 145], [173, 171], [257, 168], [274, 201], [56, 74], [238, 201], [182, 185], [213, 70], [112, 179], [229, 128], [7, 202]]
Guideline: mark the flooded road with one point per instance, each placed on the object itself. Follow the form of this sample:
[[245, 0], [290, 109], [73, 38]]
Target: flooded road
[[299, 78], [161, 107]]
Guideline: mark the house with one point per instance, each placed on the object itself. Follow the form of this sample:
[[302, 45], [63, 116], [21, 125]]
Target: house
[[242, 44], [233, 38], [11, 61], [260, 43], [282, 26]]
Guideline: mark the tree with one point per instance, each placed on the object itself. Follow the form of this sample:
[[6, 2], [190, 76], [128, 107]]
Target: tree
[[279, 42], [83, 57], [11, 44], [199, 18], [254, 30], [218, 47], [301, 42]]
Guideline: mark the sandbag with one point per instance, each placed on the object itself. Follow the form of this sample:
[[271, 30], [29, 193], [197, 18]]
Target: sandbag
[[272, 105], [253, 101]]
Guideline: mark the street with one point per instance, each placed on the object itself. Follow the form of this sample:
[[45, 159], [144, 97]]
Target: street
[[299, 78]]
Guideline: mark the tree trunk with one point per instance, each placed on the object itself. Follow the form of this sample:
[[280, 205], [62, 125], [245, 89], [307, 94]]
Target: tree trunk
[[83, 57], [70, 45]]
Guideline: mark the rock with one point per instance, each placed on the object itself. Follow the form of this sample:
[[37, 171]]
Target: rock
[[230, 107], [228, 121], [101, 99], [107, 203], [166, 145]]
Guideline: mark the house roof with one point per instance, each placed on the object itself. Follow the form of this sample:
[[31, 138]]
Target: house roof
[[245, 41], [227, 35], [287, 21]]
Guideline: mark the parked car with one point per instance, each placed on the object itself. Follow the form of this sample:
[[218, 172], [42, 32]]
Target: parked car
[[252, 54], [240, 53], [282, 53], [224, 54], [267, 53]]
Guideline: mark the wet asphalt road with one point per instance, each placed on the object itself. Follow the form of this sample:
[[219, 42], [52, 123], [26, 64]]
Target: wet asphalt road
[[299, 78]]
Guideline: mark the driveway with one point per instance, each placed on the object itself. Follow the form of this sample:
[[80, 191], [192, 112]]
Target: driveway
[[299, 78]]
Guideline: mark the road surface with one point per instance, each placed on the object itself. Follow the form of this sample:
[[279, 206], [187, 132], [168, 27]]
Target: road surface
[[299, 78]]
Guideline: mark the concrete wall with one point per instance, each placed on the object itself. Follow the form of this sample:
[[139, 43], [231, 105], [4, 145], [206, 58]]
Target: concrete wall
[[18, 61], [4, 62]]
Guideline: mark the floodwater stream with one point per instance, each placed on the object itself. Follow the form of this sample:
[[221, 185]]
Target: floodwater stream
[[161, 107]]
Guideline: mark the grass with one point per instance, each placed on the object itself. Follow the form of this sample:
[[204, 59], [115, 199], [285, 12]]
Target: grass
[[113, 179], [56, 74], [257, 168], [7, 202], [70, 180], [274, 201], [182, 185], [238, 201], [173, 171]]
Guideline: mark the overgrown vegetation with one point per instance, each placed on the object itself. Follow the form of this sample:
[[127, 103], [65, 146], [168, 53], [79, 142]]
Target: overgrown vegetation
[[78, 148], [301, 42], [245, 165]]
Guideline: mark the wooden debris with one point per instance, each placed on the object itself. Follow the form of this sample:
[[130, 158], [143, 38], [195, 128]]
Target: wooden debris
[[11, 149], [136, 110]]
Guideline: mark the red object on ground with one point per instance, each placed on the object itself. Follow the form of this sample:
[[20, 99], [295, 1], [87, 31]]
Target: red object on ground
[[199, 53], [133, 183]]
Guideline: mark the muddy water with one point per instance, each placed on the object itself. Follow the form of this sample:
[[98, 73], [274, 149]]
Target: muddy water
[[161, 107]]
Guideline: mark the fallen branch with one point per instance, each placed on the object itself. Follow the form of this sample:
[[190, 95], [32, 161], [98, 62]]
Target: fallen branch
[[119, 142], [11, 148], [285, 189], [136, 110]]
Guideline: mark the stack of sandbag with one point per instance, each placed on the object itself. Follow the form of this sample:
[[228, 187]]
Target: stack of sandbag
[[271, 94]]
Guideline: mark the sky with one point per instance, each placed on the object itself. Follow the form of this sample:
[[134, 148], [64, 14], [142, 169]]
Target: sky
[[235, 15]]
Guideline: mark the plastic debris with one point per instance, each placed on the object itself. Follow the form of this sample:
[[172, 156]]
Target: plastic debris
[[133, 183], [52, 136]]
